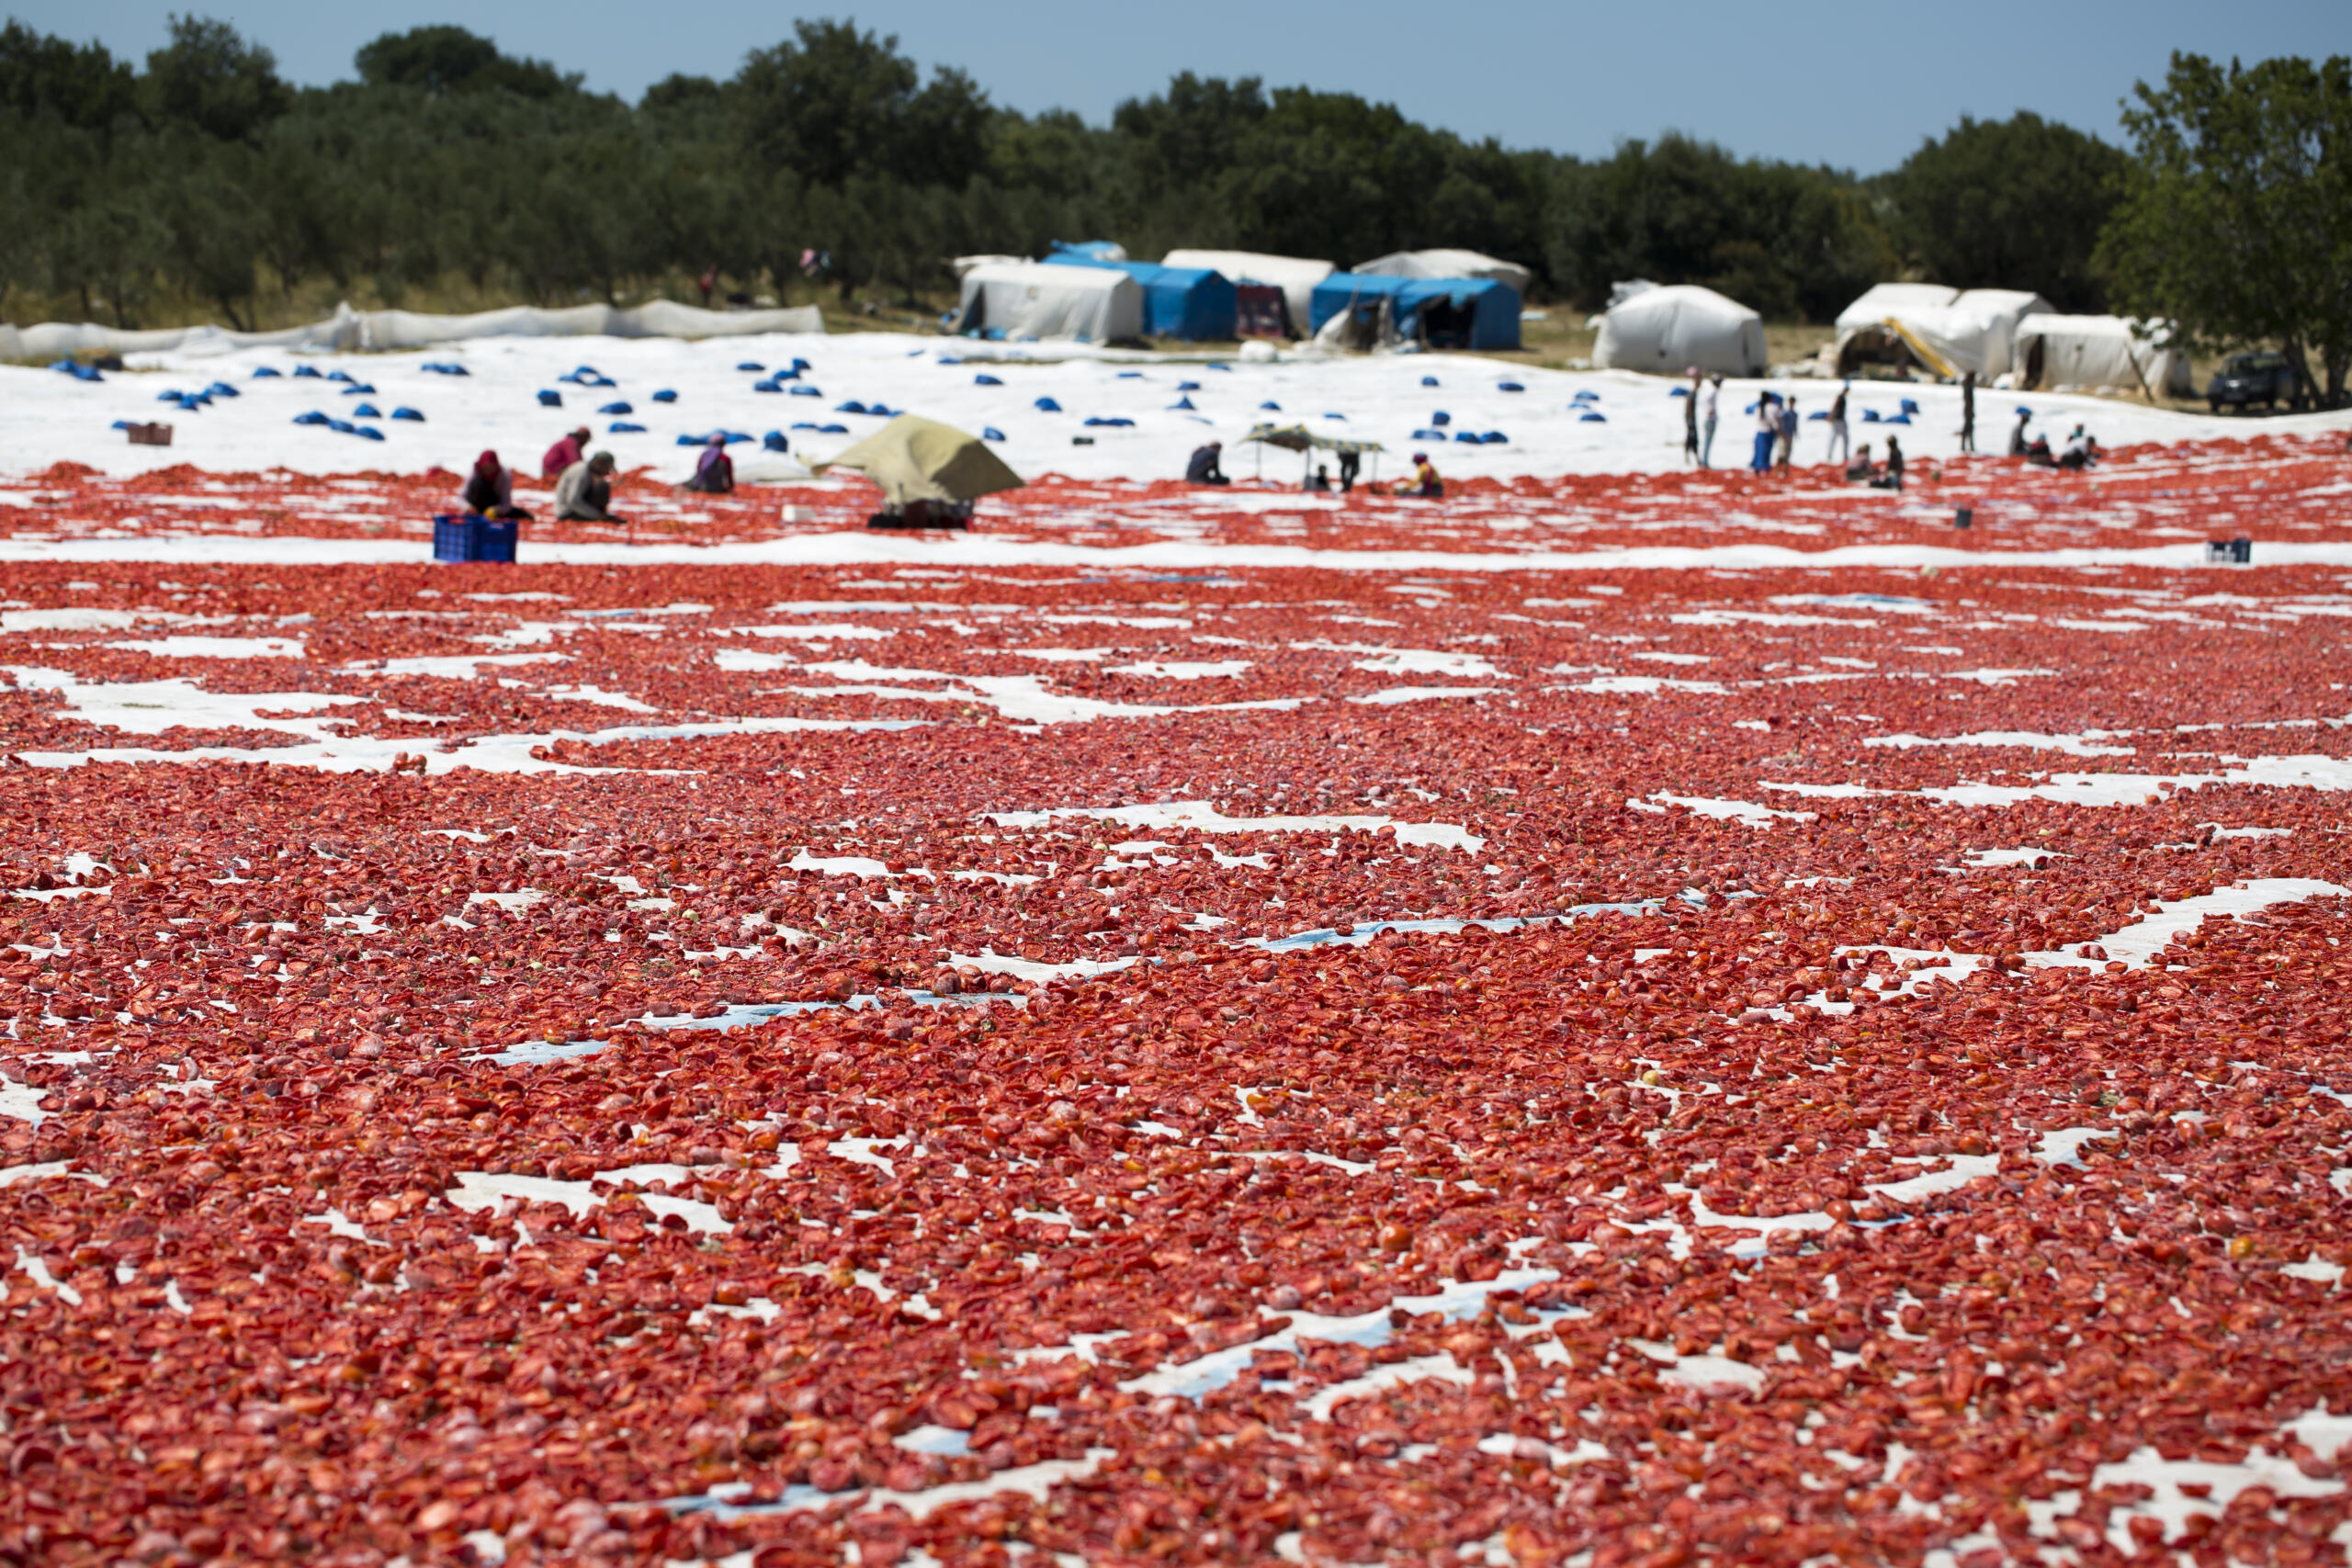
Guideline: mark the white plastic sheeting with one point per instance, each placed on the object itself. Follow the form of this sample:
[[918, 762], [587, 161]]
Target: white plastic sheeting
[[1450, 263], [1295, 275], [1669, 330], [2100, 351], [1954, 330], [348, 329], [1035, 300]]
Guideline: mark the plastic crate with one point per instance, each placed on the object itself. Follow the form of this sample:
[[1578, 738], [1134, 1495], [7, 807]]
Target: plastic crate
[[469, 537], [2230, 552]]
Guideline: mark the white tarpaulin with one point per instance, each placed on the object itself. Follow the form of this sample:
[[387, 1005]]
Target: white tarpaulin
[[349, 330], [2068, 352], [1450, 263], [1949, 330], [1669, 330], [1295, 275], [1039, 300]]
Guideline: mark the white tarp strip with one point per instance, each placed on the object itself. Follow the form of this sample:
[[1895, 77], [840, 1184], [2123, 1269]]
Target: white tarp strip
[[348, 329]]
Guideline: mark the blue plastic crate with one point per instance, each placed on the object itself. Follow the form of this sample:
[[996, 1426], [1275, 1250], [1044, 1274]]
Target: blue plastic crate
[[469, 537]]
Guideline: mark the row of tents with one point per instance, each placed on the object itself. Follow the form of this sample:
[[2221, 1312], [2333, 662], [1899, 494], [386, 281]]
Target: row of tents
[[1898, 328], [1441, 298]]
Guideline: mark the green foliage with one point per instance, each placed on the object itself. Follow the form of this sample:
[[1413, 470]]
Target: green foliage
[[2235, 218], [2012, 204], [450, 60], [207, 178], [1789, 241], [210, 78]]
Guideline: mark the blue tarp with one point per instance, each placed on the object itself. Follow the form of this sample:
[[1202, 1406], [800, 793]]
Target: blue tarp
[[1065, 251], [1448, 313], [1178, 302]]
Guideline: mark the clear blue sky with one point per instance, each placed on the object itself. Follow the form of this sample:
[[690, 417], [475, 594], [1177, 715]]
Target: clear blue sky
[[1854, 84]]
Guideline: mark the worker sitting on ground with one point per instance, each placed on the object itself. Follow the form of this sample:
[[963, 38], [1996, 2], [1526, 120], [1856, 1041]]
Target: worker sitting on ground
[[585, 493], [1320, 480], [1424, 482], [564, 453], [490, 492], [714, 471], [1893, 478], [1858, 466], [2081, 451], [1202, 469]]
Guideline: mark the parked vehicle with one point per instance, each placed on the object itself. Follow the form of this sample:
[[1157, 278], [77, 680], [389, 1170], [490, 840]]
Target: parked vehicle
[[2246, 379]]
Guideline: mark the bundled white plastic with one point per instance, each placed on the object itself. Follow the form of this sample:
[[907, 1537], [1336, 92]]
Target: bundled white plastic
[[1670, 331], [1295, 275], [1950, 331], [2100, 351], [348, 329], [1449, 263], [1039, 300]]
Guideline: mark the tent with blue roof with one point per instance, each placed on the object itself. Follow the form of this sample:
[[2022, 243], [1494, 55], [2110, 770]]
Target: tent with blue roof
[[1443, 312], [1193, 303]]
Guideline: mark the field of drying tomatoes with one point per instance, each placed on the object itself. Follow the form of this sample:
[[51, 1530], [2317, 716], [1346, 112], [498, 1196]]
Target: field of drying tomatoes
[[795, 1064]]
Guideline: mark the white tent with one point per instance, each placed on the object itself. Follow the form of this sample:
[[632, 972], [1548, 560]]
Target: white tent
[[1450, 263], [2061, 352], [959, 266], [1037, 299], [348, 329], [1295, 275], [1949, 330], [1669, 330]]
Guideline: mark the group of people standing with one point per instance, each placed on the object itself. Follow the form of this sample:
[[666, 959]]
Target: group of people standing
[[584, 482], [1776, 432]]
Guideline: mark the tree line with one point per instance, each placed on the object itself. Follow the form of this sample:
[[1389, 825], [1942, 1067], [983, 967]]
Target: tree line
[[830, 162]]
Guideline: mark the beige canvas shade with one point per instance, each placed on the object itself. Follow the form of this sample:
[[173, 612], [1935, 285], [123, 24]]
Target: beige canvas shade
[[921, 459]]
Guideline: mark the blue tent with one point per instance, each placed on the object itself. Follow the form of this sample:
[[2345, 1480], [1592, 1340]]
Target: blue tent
[[1444, 313], [1178, 302]]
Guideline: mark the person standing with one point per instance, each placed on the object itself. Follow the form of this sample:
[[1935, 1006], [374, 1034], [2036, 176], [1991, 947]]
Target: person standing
[[1690, 421], [1894, 463], [1707, 423], [1788, 433], [1968, 413], [1841, 442], [1767, 433], [2017, 433], [1350, 461]]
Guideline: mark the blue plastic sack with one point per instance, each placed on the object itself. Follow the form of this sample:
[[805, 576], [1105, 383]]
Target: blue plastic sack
[[550, 400], [1898, 419], [883, 410], [985, 380], [623, 427], [1183, 403], [1509, 387], [1466, 437], [408, 413], [774, 441], [1494, 438], [267, 372], [1098, 419], [221, 389], [308, 372], [1130, 375], [991, 432], [1870, 416], [1677, 392], [367, 410], [853, 406], [766, 387], [832, 430], [1342, 418], [1270, 406], [1429, 435], [313, 417], [617, 407], [338, 375], [1441, 418], [369, 431], [802, 389], [169, 395], [1594, 419], [120, 424], [665, 396], [1429, 380], [1047, 405], [342, 426], [751, 364], [1188, 386]]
